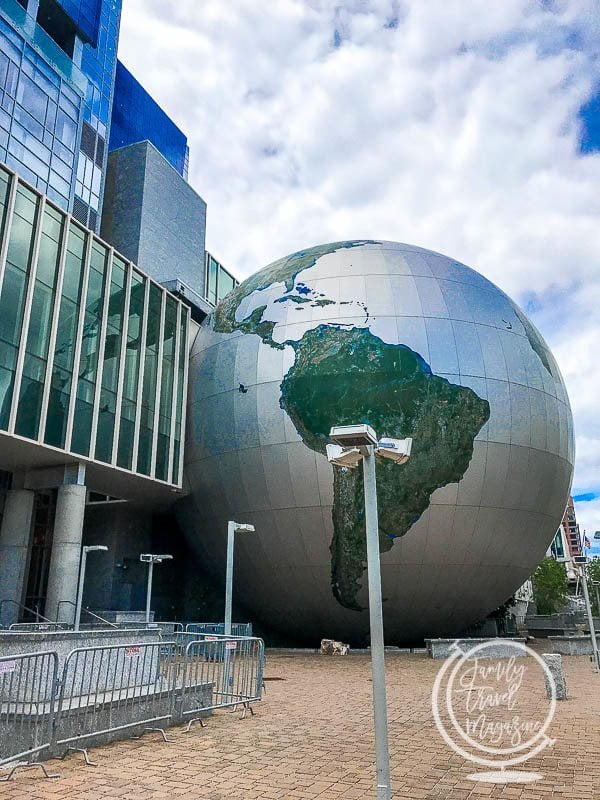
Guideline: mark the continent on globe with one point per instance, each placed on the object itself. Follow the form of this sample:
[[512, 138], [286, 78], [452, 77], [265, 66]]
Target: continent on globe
[[346, 377]]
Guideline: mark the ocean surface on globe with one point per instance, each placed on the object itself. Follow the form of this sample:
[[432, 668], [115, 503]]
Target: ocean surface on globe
[[414, 344]]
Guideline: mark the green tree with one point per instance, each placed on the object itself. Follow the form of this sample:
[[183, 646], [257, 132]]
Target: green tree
[[550, 586], [593, 576]]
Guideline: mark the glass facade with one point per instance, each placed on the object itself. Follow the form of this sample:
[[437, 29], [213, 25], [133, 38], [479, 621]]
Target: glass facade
[[57, 72], [137, 117], [93, 354], [39, 117], [218, 281], [86, 16]]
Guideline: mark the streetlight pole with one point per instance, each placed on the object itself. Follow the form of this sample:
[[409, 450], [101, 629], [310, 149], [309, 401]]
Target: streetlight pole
[[149, 591], [376, 623], [596, 585], [588, 608], [151, 559], [232, 527], [354, 443], [84, 551]]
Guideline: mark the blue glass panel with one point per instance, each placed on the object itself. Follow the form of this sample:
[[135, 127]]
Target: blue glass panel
[[86, 16], [137, 117]]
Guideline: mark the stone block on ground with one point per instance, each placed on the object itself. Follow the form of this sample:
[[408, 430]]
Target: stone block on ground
[[555, 666], [330, 647]]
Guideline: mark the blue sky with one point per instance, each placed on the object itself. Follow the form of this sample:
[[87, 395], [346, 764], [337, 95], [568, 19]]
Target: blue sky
[[468, 127], [590, 124]]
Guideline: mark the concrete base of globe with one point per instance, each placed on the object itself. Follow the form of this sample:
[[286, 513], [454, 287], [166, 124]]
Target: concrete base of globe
[[495, 648], [573, 645]]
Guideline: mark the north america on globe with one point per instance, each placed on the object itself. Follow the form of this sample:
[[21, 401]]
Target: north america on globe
[[346, 375]]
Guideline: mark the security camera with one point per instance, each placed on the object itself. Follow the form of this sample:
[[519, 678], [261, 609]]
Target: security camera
[[353, 435], [397, 450], [155, 558], [343, 457]]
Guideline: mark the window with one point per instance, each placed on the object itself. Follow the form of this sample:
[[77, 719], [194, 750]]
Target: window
[[57, 24]]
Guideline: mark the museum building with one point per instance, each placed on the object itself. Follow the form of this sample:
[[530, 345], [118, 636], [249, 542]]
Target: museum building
[[104, 278]]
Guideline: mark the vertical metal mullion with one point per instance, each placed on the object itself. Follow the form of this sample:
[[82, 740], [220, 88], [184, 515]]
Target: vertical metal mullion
[[122, 354], [79, 340], [159, 371], [142, 366], [54, 326], [175, 388], [186, 367], [37, 234], [10, 212], [101, 350]]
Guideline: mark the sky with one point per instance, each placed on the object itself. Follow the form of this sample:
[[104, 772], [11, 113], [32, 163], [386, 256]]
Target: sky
[[467, 127]]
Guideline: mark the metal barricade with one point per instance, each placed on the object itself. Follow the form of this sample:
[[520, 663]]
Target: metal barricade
[[168, 628], [27, 695], [237, 628], [221, 672], [108, 689]]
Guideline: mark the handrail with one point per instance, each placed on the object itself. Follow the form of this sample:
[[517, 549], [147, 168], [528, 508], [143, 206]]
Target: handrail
[[87, 611], [24, 608]]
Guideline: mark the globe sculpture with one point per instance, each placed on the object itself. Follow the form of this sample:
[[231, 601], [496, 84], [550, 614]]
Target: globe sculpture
[[414, 344]]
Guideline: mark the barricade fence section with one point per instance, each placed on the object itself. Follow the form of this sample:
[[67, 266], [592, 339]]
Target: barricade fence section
[[27, 691], [99, 694], [231, 667], [109, 689], [237, 628]]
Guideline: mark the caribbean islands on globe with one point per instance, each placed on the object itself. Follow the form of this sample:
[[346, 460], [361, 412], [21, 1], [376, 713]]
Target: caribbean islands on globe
[[416, 345]]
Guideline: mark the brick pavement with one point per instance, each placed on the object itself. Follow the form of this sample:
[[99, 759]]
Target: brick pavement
[[312, 738]]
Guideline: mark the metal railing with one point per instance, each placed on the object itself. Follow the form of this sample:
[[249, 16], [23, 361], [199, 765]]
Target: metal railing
[[35, 611], [100, 693], [84, 611]]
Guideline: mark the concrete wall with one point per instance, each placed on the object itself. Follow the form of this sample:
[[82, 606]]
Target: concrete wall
[[153, 216]]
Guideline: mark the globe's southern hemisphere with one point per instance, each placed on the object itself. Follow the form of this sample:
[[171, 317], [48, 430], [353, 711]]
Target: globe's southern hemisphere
[[414, 344]]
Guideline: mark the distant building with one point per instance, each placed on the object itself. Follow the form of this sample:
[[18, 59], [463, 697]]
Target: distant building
[[559, 551], [571, 529]]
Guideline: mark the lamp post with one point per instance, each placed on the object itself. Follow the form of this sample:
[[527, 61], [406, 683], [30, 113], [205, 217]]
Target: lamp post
[[84, 551], [151, 559], [232, 529], [351, 444], [596, 585], [581, 561]]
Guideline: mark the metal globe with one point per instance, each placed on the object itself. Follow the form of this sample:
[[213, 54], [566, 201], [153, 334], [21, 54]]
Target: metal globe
[[416, 345]]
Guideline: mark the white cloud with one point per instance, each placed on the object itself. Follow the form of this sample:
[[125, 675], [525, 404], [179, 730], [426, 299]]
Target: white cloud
[[448, 124]]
